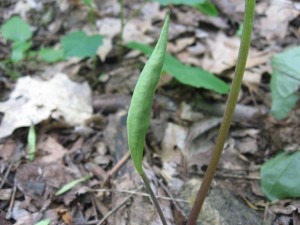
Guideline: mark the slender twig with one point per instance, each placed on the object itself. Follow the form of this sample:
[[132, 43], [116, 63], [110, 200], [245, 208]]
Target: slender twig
[[6, 174], [116, 168], [117, 207], [11, 203], [227, 118], [141, 194], [154, 200]]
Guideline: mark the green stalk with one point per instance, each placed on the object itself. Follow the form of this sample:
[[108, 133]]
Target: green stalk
[[154, 199], [228, 114], [92, 19]]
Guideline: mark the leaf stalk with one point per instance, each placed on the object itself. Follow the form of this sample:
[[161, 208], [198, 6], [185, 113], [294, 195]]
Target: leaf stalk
[[228, 114]]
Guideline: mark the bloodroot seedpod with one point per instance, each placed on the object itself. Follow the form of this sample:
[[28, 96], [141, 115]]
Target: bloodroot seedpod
[[138, 120]]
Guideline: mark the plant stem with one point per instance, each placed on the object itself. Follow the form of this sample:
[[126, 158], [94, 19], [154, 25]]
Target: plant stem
[[228, 114], [92, 19], [155, 202]]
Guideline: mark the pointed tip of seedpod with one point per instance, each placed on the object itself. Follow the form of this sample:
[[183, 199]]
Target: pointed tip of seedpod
[[168, 11]]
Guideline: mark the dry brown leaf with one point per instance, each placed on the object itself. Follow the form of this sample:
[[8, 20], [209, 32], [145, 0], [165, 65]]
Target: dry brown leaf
[[252, 79], [223, 52], [247, 145], [180, 44], [174, 138], [49, 150], [187, 113], [230, 7], [65, 215], [7, 149], [187, 58], [151, 12], [109, 26], [5, 194], [108, 7], [197, 49], [275, 24], [135, 30], [33, 101], [256, 58], [105, 48]]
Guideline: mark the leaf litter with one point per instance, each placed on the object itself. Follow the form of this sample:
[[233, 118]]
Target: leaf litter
[[33, 101], [80, 126]]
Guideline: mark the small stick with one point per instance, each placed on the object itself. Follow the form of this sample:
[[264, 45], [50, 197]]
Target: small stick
[[141, 194], [118, 206], [6, 174], [11, 203], [116, 168]]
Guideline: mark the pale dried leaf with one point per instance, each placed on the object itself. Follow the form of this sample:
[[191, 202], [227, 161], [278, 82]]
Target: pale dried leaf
[[223, 53], [7, 149], [256, 58], [251, 78], [275, 24], [105, 48], [180, 44], [174, 138], [151, 12], [109, 27], [34, 100], [49, 150], [135, 30]]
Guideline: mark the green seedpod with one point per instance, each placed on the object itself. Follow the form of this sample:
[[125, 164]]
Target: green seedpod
[[138, 120]]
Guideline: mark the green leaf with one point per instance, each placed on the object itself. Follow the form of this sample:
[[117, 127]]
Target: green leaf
[[51, 55], [185, 74], [31, 143], [204, 6], [71, 184], [7, 67], [43, 222], [279, 176], [16, 29], [88, 3], [207, 8], [78, 44], [285, 82], [18, 50]]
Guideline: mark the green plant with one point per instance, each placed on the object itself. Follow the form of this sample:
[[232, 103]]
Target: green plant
[[78, 44], [89, 4], [285, 82], [75, 44], [204, 6], [71, 184], [207, 8], [188, 75], [278, 176], [31, 143], [19, 32], [43, 222], [51, 55], [138, 120], [228, 114]]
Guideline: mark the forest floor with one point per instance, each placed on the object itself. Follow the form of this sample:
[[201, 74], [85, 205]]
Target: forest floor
[[78, 108]]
